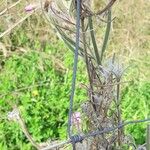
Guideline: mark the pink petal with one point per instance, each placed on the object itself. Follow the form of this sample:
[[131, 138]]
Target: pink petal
[[30, 7], [76, 118]]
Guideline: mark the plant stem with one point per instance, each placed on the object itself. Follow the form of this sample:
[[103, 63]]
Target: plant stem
[[118, 112], [87, 60], [94, 41], [148, 137]]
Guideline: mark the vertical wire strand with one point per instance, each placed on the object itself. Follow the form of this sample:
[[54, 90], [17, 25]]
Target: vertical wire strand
[[74, 66]]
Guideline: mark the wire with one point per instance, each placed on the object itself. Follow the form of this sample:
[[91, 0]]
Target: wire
[[74, 67], [98, 132]]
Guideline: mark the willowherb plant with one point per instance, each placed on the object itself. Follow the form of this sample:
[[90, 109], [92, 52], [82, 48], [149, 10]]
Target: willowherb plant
[[103, 107]]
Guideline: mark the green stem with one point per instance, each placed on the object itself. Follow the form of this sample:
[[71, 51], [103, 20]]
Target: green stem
[[119, 113], [148, 137]]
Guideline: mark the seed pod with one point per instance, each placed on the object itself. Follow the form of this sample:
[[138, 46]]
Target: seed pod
[[46, 5]]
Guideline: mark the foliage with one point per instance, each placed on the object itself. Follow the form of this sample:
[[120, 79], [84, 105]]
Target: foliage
[[135, 103], [44, 107], [102, 95]]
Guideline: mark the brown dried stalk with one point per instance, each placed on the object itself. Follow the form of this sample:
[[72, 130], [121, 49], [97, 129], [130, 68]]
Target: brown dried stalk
[[13, 5], [16, 116], [17, 23], [107, 7]]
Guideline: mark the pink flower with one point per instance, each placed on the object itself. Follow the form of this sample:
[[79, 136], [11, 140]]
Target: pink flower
[[30, 7], [76, 121], [76, 118]]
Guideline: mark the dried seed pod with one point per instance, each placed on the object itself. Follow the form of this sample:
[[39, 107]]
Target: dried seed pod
[[46, 5]]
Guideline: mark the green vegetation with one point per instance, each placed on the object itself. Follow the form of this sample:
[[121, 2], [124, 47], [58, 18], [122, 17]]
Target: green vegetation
[[44, 107], [135, 103]]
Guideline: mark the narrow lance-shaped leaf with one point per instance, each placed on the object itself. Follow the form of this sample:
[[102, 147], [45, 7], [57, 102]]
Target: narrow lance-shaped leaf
[[94, 41], [106, 35], [61, 5], [68, 41]]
